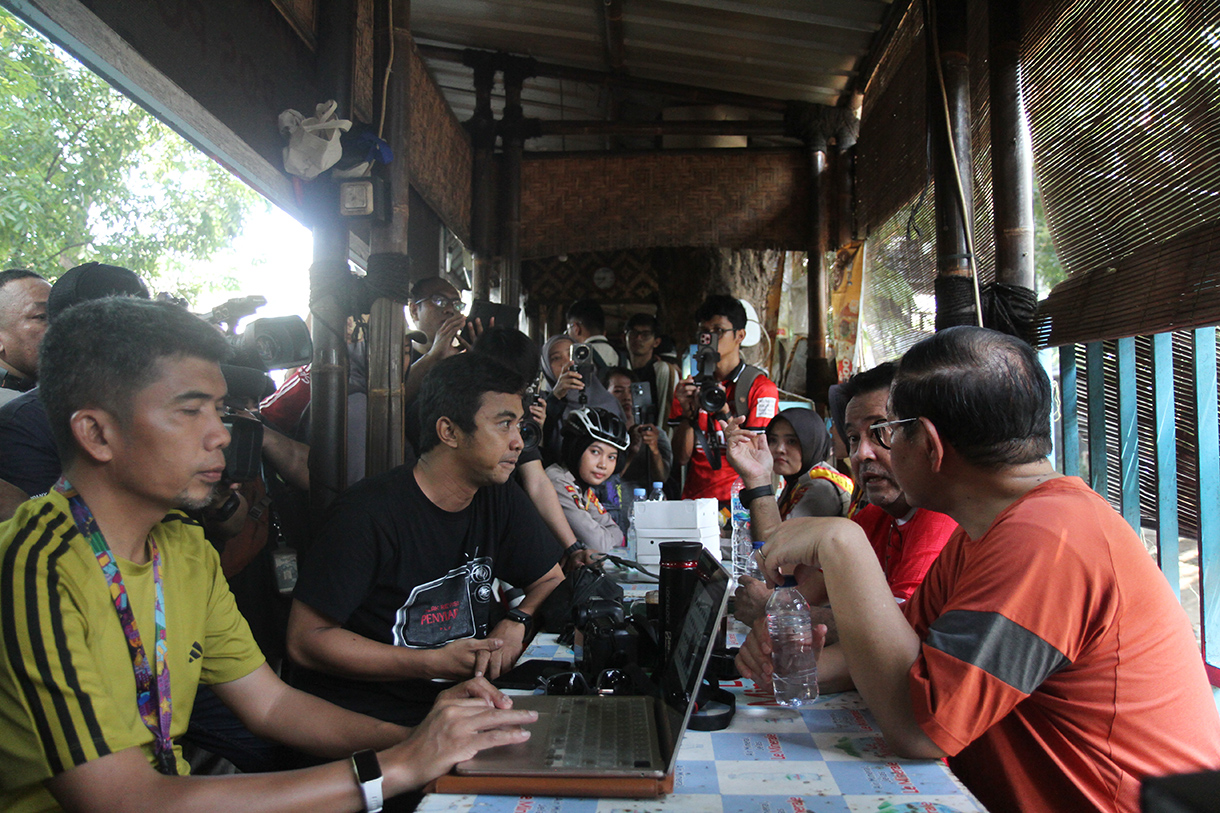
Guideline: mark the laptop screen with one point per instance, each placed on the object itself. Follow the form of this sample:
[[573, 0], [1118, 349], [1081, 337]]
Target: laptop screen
[[683, 673]]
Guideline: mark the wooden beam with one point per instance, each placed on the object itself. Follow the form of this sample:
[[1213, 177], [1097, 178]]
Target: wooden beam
[[547, 127], [692, 94], [785, 14]]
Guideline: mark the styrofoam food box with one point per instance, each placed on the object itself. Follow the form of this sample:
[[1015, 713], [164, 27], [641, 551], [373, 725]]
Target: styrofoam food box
[[649, 552], [677, 515]]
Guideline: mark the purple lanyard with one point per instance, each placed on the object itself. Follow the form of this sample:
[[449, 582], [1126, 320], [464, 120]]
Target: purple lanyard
[[156, 712]]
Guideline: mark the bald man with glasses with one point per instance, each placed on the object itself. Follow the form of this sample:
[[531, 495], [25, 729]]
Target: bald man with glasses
[[906, 539]]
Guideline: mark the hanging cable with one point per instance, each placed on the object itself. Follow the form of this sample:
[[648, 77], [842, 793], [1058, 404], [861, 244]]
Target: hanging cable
[[389, 67]]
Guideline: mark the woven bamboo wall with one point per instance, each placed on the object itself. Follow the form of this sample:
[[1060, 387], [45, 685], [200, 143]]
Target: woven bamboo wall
[[730, 199], [440, 152]]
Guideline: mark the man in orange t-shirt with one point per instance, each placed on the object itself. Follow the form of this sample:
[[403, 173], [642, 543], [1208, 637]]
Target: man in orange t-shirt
[[1044, 653]]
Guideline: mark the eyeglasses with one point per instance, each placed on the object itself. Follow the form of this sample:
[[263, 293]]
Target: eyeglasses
[[883, 433], [639, 334], [609, 682], [718, 331], [441, 301]]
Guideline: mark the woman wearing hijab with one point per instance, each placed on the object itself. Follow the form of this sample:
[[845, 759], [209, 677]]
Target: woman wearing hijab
[[800, 446], [796, 448], [569, 390]]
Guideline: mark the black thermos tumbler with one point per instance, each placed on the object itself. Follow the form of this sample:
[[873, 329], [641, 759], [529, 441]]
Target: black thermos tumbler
[[679, 570]]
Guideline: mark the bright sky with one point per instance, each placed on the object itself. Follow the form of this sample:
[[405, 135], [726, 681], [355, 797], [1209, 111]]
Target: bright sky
[[271, 258]]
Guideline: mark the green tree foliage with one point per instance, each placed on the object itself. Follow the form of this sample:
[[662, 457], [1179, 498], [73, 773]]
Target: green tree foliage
[[1048, 271], [87, 174]]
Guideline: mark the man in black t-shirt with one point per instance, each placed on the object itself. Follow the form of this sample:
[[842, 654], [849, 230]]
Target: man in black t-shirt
[[396, 590]]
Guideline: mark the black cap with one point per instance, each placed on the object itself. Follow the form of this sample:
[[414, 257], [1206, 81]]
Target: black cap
[[92, 281]]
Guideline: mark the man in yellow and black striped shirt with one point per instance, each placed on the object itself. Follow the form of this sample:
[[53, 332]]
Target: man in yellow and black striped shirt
[[134, 394]]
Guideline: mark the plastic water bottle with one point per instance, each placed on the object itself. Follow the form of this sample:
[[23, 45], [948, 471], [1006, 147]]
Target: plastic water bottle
[[753, 568], [657, 494], [790, 626], [636, 496], [739, 515]]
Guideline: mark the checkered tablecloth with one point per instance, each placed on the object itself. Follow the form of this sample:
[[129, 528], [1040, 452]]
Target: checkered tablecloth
[[829, 757]]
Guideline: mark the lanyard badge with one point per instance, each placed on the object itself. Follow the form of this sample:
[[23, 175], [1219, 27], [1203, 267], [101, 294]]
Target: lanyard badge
[[152, 695]]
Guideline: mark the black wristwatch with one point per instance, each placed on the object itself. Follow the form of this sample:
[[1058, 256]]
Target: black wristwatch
[[368, 775], [520, 617], [749, 495], [573, 548]]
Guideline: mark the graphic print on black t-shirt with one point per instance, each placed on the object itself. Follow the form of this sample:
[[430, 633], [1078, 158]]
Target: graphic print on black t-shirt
[[444, 609]]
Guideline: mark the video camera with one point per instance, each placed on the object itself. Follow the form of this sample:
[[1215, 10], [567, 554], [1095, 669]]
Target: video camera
[[711, 397], [278, 342]]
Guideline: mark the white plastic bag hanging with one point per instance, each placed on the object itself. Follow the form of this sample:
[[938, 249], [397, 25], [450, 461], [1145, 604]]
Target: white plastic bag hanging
[[313, 143]]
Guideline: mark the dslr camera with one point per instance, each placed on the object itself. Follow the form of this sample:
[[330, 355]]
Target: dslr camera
[[711, 397], [607, 639]]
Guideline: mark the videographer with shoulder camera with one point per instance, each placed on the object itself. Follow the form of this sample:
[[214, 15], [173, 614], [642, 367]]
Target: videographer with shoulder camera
[[723, 386]]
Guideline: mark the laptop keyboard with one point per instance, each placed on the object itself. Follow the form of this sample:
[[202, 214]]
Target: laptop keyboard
[[601, 735]]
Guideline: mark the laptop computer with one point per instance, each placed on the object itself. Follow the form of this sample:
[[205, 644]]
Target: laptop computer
[[634, 751]]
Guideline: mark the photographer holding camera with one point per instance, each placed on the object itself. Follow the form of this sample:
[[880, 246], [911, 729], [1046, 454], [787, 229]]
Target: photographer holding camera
[[722, 387], [650, 454], [571, 376]]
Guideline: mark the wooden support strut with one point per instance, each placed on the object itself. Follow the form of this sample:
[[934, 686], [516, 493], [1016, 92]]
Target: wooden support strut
[[482, 129], [1012, 175], [512, 134], [331, 236], [389, 246]]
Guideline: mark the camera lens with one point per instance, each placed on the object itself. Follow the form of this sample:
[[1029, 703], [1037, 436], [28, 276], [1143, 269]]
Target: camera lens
[[711, 397], [531, 435]]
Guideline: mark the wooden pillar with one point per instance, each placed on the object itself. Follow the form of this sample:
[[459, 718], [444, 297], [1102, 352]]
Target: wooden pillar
[[328, 278], [512, 130], [1012, 173], [482, 129], [948, 57], [388, 259], [819, 366]]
